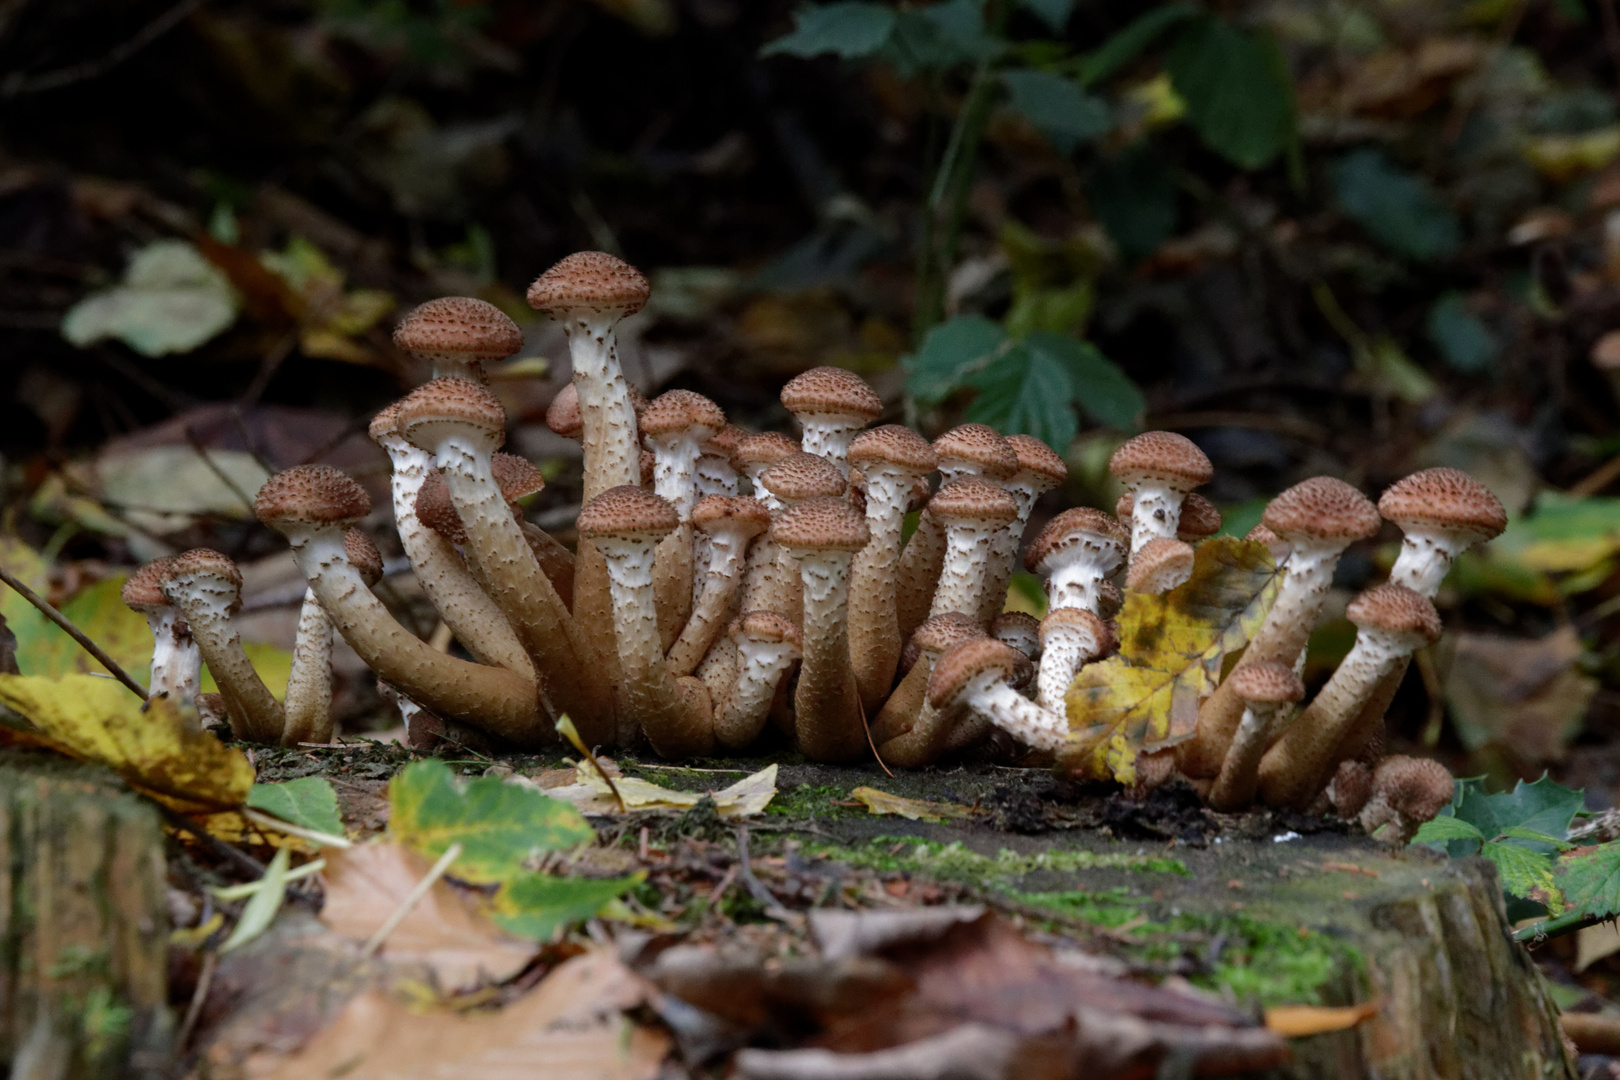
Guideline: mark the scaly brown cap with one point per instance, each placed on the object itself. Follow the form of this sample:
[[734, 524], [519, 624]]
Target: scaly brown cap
[[1163, 457], [311, 494], [1417, 787], [384, 424], [590, 281], [894, 444], [207, 563], [563, 416], [435, 510], [143, 590], [961, 664], [1397, 609], [363, 556], [972, 499], [517, 476], [1199, 517], [627, 513], [736, 513], [450, 403], [804, 476], [821, 524], [724, 443], [1160, 565], [1043, 465], [1081, 525], [1352, 786], [764, 448], [765, 626], [459, 326], [682, 412], [830, 391], [1109, 599], [1446, 499], [980, 447], [938, 633], [1267, 682], [1083, 621], [1321, 508], [1019, 629]]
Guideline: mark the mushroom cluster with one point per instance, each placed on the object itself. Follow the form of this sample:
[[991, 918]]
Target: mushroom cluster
[[725, 582]]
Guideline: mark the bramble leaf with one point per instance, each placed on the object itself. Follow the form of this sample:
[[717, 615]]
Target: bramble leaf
[[1059, 109], [951, 353], [1526, 874], [850, 29], [309, 802], [1400, 209], [538, 905], [1238, 100], [1171, 648], [1590, 880]]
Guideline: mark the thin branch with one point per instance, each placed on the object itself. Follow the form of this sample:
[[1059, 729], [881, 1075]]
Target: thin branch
[[214, 467], [20, 85], [73, 632]]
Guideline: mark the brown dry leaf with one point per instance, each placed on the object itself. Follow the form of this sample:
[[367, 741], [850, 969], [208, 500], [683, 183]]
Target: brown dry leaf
[[1525, 695], [1593, 943], [881, 802], [366, 884], [571, 1027], [1297, 1021]]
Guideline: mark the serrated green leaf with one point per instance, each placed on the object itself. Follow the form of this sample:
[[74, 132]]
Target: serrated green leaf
[[500, 826], [1525, 873], [1124, 46], [951, 353], [1464, 341], [1591, 880], [1134, 196], [1101, 388], [536, 906], [309, 802], [1236, 100], [1398, 208], [850, 29], [1059, 109], [1441, 829], [1513, 832], [1054, 13], [1544, 807], [1025, 391]]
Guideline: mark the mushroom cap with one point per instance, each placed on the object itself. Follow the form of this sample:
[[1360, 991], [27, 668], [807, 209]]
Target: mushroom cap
[[1160, 565], [1081, 526], [959, 665], [1605, 354], [311, 494], [737, 513], [1322, 508], [804, 476], [1396, 609], [821, 524], [649, 467], [459, 325], [627, 512], [363, 556], [1109, 599], [831, 391], [978, 446], [723, 443], [384, 424], [1267, 682], [1019, 629], [207, 563], [972, 499], [764, 448], [682, 412], [1352, 786], [1264, 535], [1199, 517], [1083, 621], [1162, 457], [143, 590], [1043, 465], [938, 633], [896, 445], [563, 416], [1417, 787], [452, 402], [1446, 499], [435, 510], [590, 281], [765, 626], [517, 476]]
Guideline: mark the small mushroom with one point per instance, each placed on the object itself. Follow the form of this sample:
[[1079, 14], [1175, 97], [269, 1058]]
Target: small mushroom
[[1076, 552], [767, 645], [1406, 792], [716, 463], [1352, 786], [907, 730], [1442, 513], [831, 405], [308, 704], [1159, 468], [755, 454], [1040, 469], [773, 581], [176, 670], [1199, 518], [458, 335], [1161, 565], [1267, 689], [728, 523], [1070, 639], [1019, 629], [978, 676], [973, 512]]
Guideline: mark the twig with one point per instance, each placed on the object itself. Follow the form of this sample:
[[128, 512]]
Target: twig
[[374, 943], [866, 727], [756, 888], [19, 84], [201, 450], [205, 979], [73, 632]]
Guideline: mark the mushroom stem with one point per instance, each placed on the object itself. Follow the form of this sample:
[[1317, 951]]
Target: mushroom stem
[[176, 664], [874, 626], [720, 584], [974, 676], [1269, 690], [920, 562], [1070, 639], [767, 645], [309, 685]]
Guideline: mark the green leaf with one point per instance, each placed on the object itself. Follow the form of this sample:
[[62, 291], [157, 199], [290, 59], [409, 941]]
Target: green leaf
[[1540, 839], [537, 905], [499, 825], [1026, 391], [1124, 46], [850, 29], [1525, 873], [1464, 341], [1101, 388], [1398, 208], [309, 801], [1237, 99], [1134, 196], [1054, 13], [1059, 109], [1544, 807], [1446, 828], [1591, 880], [951, 353], [939, 37], [171, 300], [260, 910]]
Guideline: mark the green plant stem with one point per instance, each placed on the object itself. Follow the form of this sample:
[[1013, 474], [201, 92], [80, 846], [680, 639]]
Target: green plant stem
[[62, 621], [1559, 925]]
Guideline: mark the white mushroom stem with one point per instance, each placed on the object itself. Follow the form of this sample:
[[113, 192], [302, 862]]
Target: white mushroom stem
[[1065, 651], [1157, 510], [1427, 553], [612, 453], [256, 715], [827, 702], [309, 685], [176, 671], [471, 614], [715, 476], [1004, 549], [874, 632], [720, 583], [989, 695], [920, 563], [968, 547], [1240, 772], [1078, 581], [829, 437], [760, 667]]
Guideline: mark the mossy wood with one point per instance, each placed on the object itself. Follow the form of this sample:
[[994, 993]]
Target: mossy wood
[[83, 924]]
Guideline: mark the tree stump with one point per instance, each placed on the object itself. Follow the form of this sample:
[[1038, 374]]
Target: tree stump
[[83, 923]]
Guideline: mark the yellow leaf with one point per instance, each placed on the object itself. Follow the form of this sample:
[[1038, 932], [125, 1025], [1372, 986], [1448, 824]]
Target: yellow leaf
[[1563, 157], [1297, 1021], [231, 827], [273, 665], [156, 751], [1171, 648], [881, 802], [591, 794]]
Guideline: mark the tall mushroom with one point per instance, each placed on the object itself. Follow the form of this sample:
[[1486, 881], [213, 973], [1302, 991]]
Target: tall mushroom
[[773, 578], [457, 335], [1159, 468], [823, 535], [973, 513], [908, 731], [831, 405], [1040, 469], [1267, 689], [1392, 622], [1318, 518], [675, 427], [308, 703], [313, 506], [626, 524], [1075, 554], [176, 668], [767, 645], [728, 523], [891, 458], [978, 676]]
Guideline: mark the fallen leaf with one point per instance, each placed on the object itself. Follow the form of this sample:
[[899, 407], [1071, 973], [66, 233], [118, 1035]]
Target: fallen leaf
[[309, 802], [1523, 694], [170, 301], [1563, 534], [570, 1027], [1297, 1021], [366, 885], [1593, 943], [260, 910], [1561, 158], [881, 802], [178, 480], [1171, 648], [592, 795], [538, 905], [156, 751]]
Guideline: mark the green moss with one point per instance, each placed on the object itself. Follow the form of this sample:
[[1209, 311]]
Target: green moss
[[1103, 907], [812, 800], [959, 863]]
